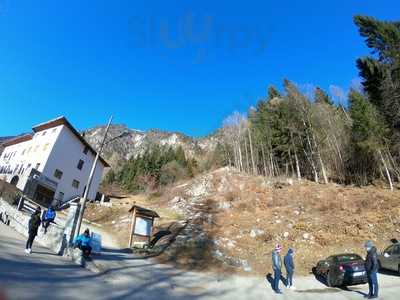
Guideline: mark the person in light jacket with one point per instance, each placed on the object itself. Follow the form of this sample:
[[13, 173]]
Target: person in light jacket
[[277, 267], [289, 265], [84, 243]]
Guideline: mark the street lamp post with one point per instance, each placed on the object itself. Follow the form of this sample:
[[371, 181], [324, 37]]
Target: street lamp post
[[89, 182]]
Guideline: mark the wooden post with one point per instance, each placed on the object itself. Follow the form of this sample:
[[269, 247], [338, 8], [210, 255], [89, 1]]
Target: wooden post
[[152, 227], [133, 224]]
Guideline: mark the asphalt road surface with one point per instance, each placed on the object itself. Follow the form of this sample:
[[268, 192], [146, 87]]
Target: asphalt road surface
[[43, 275]]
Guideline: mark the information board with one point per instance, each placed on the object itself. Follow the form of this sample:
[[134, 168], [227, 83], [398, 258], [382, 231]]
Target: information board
[[143, 226]]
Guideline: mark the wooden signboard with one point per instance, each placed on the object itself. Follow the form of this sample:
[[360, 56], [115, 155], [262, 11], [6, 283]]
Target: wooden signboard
[[142, 222]]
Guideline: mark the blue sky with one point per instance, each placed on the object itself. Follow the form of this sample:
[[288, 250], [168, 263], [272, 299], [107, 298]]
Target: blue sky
[[174, 65]]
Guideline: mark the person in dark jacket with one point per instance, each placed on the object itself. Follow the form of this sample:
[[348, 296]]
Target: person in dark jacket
[[277, 267], [289, 265], [372, 268], [34, 224]]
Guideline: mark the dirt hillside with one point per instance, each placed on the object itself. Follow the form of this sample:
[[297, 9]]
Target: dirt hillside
[[229, 220]]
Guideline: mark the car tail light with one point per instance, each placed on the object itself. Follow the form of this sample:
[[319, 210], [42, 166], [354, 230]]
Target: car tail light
[[341, 268]]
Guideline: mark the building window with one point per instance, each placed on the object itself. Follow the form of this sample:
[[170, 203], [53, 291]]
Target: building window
[[29, 150], [23, 152], [45, 146], [75, 184], [80, 164], [86, 150], [36, 148], [44, 133], [58, 174], [37, 166]]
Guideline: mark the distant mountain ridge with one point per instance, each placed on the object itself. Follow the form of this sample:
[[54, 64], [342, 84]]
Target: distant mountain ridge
[[126, 143], [3, 140]]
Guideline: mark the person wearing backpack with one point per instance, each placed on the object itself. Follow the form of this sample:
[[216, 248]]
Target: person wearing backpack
[[83, 242], [34, 223], [48, 217]]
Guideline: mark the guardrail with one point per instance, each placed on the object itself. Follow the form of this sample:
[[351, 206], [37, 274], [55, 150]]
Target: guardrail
[[28, 205]]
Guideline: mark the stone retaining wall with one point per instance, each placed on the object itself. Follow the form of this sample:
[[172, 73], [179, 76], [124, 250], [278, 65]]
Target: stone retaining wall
[[58, 236]]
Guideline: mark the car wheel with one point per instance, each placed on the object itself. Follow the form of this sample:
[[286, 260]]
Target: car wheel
[[398, 269], [329, 280]]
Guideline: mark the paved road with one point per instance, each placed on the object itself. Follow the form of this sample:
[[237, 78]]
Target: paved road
[[43, 275]]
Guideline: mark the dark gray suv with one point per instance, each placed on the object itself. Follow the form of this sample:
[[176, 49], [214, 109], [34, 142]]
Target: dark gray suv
[[390, 258]]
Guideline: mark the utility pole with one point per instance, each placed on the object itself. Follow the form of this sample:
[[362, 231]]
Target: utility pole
[[89, 182]]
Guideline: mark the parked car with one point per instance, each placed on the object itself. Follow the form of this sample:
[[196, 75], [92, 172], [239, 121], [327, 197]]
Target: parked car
[[342, 270], [390, 258]]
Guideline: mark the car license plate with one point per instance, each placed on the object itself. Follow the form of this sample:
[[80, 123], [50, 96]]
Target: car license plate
[[358, 274]]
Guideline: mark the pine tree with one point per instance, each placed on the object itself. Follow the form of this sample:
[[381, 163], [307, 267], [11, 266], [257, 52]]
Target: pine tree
[[381, 73], [321, 97], [369, 138], [273, 93]]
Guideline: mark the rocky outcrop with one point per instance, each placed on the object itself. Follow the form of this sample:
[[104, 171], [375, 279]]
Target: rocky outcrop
[[130, 142]]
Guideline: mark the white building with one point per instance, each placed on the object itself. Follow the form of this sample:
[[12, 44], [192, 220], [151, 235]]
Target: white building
[[53, 162]]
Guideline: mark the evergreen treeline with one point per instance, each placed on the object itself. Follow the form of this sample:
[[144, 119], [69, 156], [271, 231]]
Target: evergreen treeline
[[157, 166], [302, 135]]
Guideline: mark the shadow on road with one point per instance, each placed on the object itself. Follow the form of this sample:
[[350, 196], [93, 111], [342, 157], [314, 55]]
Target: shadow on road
[[322, 279], [20, 272], [270, 280], [389, 273], [146, 283]]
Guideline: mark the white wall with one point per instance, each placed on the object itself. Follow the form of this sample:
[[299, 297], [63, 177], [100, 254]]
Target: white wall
[[30, 152], [65, 155]]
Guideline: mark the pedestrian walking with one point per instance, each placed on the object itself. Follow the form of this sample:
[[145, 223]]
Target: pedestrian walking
[[289, 265], [372, 268], [34, 223], [277, 267], [49, 217]]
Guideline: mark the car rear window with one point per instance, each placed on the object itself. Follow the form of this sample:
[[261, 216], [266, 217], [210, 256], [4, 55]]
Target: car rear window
[[348, 257]]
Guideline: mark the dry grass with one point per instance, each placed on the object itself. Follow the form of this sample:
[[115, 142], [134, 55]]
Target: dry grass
[[335, 218]]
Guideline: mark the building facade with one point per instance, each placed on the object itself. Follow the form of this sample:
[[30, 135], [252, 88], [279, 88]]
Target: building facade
[[52, 163]]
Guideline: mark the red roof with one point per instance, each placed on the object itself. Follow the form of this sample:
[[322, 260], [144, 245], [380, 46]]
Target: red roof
[[17, 140]]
